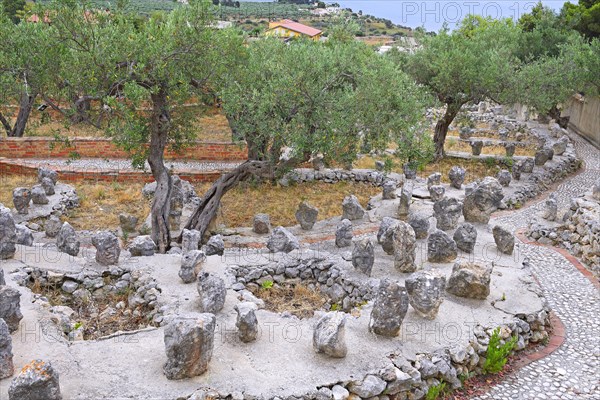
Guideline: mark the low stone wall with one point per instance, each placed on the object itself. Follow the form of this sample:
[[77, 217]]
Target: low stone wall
[[579, 233], [373, 177], [320, 271], [48, 147], [93, 284]]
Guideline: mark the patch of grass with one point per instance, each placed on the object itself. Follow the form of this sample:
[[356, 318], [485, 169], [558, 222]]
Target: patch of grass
[[497, 353], [435, 391], [240, 204], [298, 299], [102, 202], [476, 169]]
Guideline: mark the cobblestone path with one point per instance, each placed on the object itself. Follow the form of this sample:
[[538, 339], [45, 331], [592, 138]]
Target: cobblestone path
[[573, 370]]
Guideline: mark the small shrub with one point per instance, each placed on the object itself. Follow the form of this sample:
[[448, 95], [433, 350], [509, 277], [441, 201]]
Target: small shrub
[[388, 165], [489, 162], [497, 354], [435, 391], [267, 284]]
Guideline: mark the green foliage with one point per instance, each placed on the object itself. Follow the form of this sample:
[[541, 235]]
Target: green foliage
[[435, 391], [314, 98], [388, 164], [12, 9], [267, 284], [497, 353], [583, 17]]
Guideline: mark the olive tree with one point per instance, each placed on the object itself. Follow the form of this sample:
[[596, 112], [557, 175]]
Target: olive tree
[[140, 77], [469, 64], [28, 62], [311, 98]]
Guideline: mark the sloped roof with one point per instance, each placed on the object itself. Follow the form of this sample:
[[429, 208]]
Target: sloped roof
[[298, 27]]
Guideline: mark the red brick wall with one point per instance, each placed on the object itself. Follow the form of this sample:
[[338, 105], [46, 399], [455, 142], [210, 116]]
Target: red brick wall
[[15, 167], [46, 147]]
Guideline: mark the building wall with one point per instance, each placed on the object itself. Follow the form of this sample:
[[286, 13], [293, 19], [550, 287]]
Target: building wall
[[584, 117]]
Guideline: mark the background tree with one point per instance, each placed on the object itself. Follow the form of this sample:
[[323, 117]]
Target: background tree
[[584, 17], [12, 9], [141, 76], [469, 64], [311, 98], [28, 63]]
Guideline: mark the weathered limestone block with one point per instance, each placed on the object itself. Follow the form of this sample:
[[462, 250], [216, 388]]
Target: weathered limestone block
[[504, 177], [10, 307], [6, 356], [128, 222], [212, 293], [437, 192], [38, 195], [482, 201], [329, 336], [214, 246], [363, 256], [389, 190], [434, 179], [282, 240], [343, 233], [389, 309], [107, 247], [465, 237], [447, 212], [47, 173], [191, 263], [189, 344], [505, 240], [261, 224], [190, 240], [469, 280], [441, 248], [457, 176], [67, 241], [420, 224], [405, 200], [48, 186], [24, 235], [404, 240], [246, 322], [8, 234], [21, 200], [52, 226], [306, 215], [352, 209], [426, 292], [385, 234], [142, 246], [36, 381]]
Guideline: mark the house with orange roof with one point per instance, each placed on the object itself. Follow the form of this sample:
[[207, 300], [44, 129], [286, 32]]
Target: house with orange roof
[[290, 29]]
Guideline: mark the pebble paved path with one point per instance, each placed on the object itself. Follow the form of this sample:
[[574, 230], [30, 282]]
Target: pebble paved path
[[573, 370]]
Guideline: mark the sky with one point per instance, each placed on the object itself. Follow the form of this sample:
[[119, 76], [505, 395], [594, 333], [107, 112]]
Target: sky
[[432, 14]]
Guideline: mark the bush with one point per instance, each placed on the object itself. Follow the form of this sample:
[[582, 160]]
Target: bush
[[497, 353], [435, 391]]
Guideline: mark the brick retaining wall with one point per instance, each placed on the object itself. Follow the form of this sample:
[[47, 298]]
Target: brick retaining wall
[[47, 147], [66, 174]]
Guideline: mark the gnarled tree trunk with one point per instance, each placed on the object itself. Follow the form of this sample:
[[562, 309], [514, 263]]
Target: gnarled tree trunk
[[25, 107], [209, 204], [160, 125], [441, 128]]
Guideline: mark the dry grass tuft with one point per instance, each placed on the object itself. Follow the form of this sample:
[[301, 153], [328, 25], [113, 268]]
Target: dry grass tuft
[[239, 205], [102, 202], [298, 299]]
